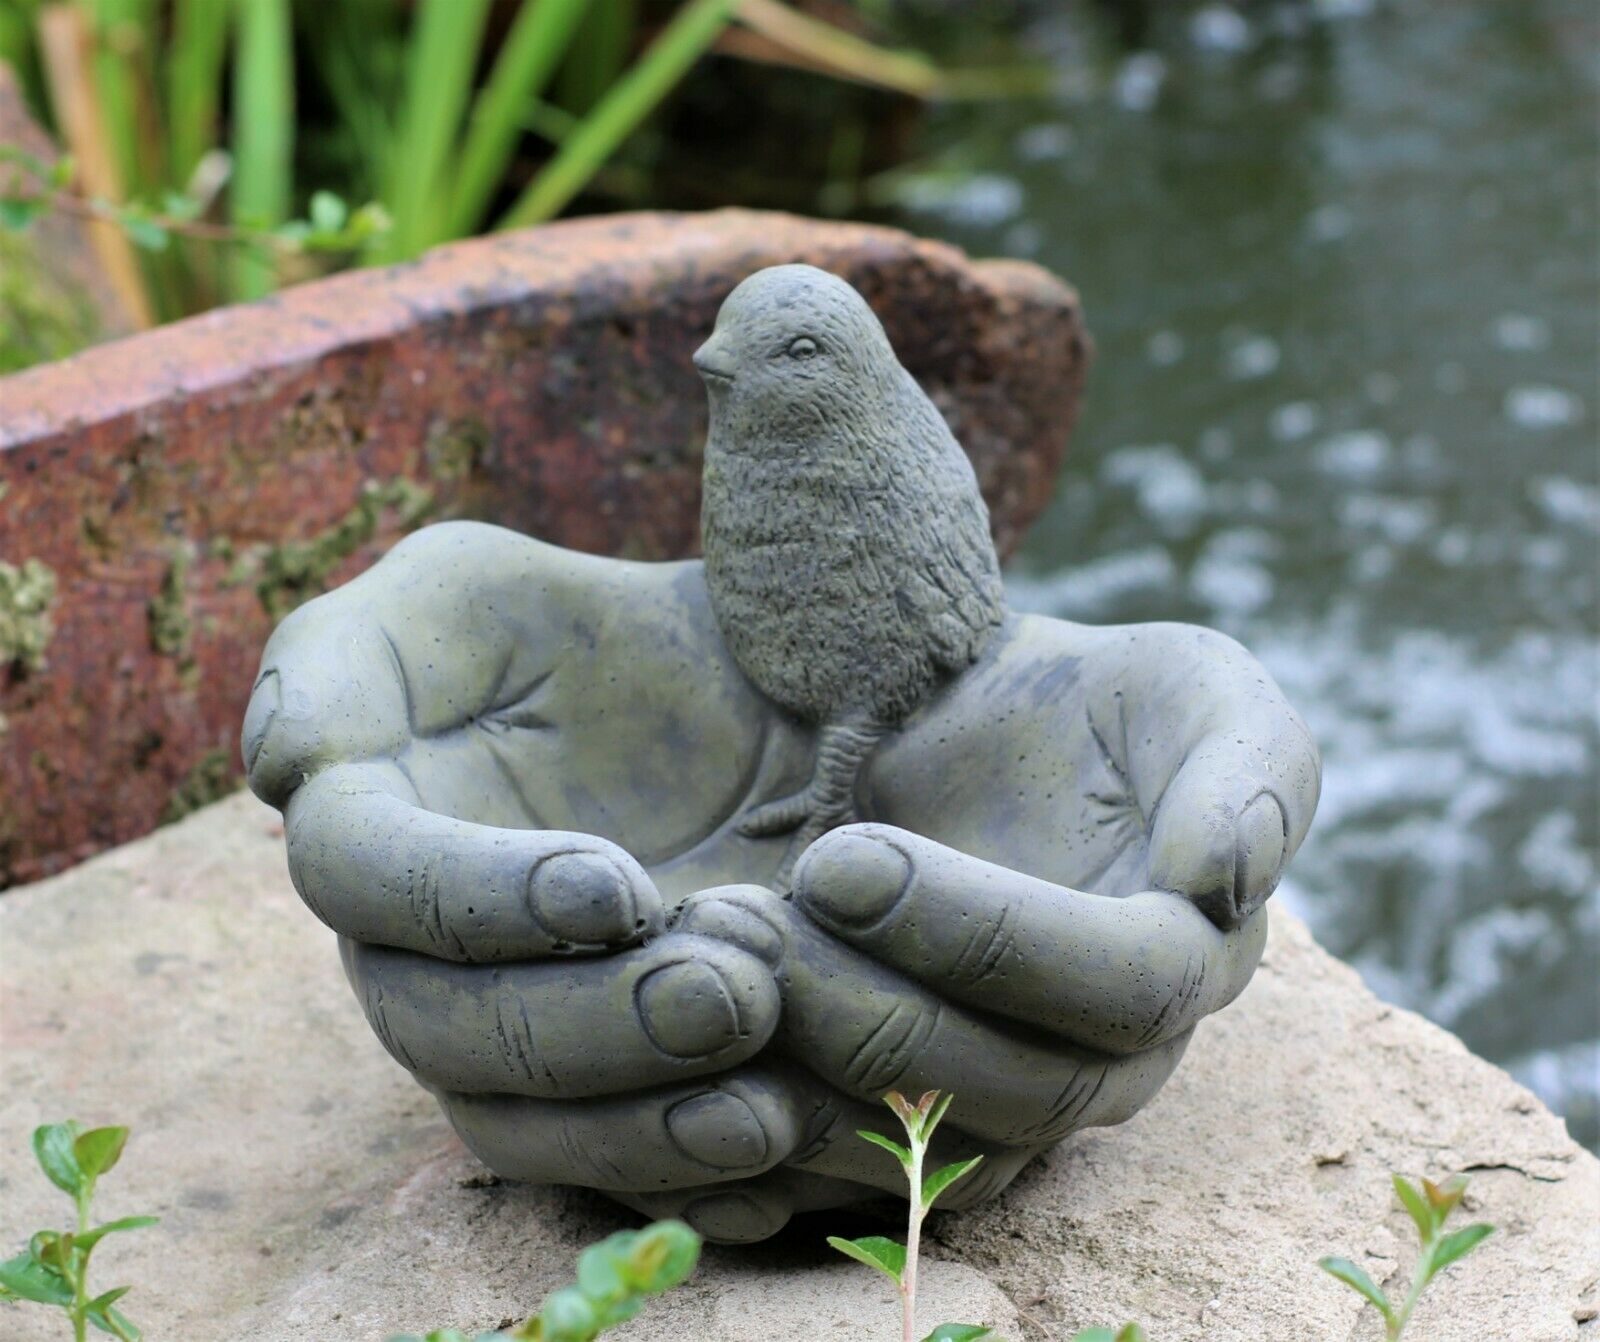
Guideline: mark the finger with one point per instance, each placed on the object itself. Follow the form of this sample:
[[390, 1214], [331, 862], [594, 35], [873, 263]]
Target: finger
[[329, 689], [401, 650], [680, 1007], [733, 1127], [1231, 817], [751, 1211], [1114, 974], [380, 870], [686, 1136], [866, 1029]]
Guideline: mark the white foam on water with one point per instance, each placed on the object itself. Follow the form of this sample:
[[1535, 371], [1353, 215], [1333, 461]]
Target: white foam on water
[[1139, 81], [1293, 421], [1517, 332], [1252, 356], [1094, 590], [1541, 407], [1168, 486], [1359, 454]]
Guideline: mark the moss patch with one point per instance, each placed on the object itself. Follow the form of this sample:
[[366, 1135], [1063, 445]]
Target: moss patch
[[294, 572], [211, 779], [25, 628], [171, 629]]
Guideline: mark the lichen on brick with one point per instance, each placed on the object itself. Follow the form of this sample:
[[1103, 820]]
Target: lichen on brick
[[456, 448], [212, 778], [296, 571], [171, 629], [26, 594]]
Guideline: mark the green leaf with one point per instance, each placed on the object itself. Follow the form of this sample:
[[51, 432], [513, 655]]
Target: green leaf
[[52, 1148], [62, 171], [17, 213], [1357, 1280], [600, 1267], [884, 1255], [1131, 1332], [1458, 1244], [32, 1280], [941, 1179], [90, 1238], [958, 1332], [1444, 1197], [98, 1150], [52, 1249], [176, 205], [328, 212], [893, 1148], [114, 1321], [569, 1314], [1416, 1207], [1095, 1335], [661, 1256], [934, 1116], [146, 233]]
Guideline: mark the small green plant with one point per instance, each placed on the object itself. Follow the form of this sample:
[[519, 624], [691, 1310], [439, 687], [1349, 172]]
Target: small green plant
[[54, 1268], [615, 1278], [896, 1261], [1428, 1207], [1129, 1332]]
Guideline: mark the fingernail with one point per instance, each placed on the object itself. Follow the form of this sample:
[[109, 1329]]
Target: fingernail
[[264, 702], [583, 899], [850, 878], [719, 1130], [687, 1010], [1258, 854], [735, 1218], [728, 922]]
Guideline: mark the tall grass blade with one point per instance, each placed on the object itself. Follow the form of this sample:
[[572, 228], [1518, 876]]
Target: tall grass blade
[[440, 64], [263, 134], [121, 30], [631, 99], [195, 60], [599, 55], [841, 53], [541, 35]]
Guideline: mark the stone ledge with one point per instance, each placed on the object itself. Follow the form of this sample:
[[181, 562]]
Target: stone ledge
[[311, 1192]]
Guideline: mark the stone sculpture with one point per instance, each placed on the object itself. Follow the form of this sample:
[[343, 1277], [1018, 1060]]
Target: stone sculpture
[[847, 548], [525, 786]]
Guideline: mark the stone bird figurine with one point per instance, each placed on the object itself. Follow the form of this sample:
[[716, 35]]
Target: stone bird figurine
[[847, 548]]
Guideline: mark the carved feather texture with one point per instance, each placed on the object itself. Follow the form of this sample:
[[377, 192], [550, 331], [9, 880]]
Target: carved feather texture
[[847, 546]]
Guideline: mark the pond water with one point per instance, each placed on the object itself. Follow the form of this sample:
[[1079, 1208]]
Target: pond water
[[1339, 261]]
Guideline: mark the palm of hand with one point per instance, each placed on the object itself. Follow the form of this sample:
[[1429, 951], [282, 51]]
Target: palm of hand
[[512, 778]]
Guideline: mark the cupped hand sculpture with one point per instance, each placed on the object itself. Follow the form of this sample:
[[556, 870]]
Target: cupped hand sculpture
[[517, 781]]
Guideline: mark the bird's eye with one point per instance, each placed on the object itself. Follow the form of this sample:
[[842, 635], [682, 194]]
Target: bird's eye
[[802, 347]]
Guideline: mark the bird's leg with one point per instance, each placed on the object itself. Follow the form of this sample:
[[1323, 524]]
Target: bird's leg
[[827, 801]]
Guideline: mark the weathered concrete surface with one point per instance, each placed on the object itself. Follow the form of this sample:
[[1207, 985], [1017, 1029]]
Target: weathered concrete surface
[[188, 485], [311, 1192]]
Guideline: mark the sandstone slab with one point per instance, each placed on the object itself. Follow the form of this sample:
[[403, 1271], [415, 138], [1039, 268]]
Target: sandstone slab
[[310, 1191]]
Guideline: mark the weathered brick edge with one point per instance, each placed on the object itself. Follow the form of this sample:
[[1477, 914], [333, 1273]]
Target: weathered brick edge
[[185, 484]]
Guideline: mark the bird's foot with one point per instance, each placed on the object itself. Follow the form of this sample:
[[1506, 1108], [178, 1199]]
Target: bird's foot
[[800, 811], [826, 802]]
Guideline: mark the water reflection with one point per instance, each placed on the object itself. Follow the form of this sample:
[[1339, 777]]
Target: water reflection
[[1339, 261]]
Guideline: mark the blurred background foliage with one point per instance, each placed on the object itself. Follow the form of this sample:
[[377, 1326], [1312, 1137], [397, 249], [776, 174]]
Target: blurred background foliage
[[1339, 257], [205, 129]]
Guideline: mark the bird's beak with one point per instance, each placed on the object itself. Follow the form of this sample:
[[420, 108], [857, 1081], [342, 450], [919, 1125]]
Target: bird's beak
[[708, 360]]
